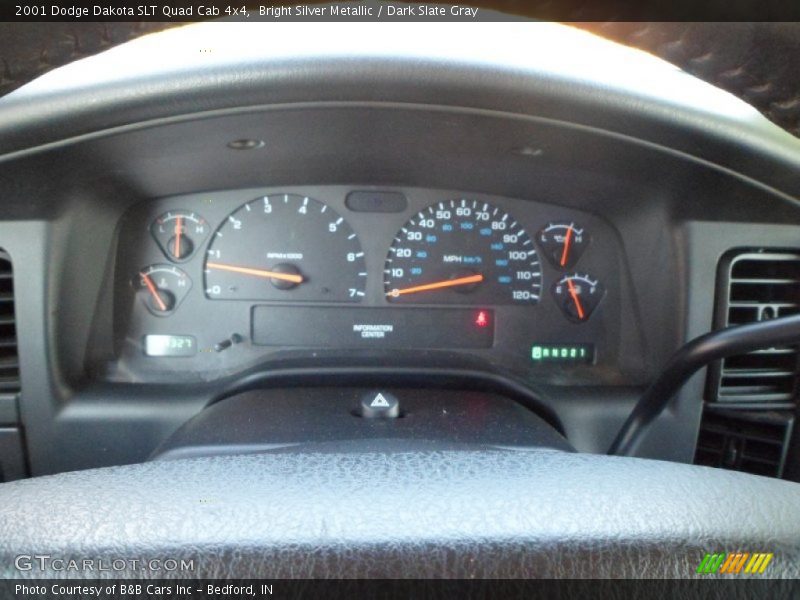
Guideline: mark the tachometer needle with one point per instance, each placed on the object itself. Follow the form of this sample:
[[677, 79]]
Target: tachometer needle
[[292, 277], [576, 299], [436, 285], [567, 241], [154, 291]]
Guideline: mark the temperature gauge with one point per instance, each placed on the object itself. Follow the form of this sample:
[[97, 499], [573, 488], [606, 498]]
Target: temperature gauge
[[563, 243], [179, 233], [578, 296], [162, 288]]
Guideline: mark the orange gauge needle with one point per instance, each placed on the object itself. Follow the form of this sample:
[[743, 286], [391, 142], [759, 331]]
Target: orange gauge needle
[[153, 290], [436, 285], [178, 227], [567, 241], [294, 278], [574, 293]]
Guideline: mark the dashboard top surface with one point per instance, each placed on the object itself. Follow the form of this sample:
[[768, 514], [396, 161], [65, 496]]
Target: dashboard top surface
[[560, 73]]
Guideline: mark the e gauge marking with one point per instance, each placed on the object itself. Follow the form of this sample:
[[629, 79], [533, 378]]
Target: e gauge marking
[[578, 296]]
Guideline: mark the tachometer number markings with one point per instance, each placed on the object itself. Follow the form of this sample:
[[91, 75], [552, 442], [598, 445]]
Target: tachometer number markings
[[285, 247]]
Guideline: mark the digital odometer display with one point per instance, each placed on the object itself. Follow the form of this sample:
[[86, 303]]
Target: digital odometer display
[[463, 252]]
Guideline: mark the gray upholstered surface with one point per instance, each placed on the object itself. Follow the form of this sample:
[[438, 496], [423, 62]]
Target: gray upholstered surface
[[482, 513]]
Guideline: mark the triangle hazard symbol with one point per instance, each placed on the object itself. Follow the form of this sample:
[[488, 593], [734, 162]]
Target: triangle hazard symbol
[[379, 402]]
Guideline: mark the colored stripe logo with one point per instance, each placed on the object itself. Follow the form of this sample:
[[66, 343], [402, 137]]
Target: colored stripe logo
[[735, 563]]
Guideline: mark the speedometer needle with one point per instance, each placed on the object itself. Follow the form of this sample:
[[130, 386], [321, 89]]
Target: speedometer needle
[[436, 285], [575, 298], [292, 277]]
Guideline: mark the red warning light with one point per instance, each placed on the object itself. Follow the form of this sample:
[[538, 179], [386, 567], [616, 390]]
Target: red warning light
[[482, 320]]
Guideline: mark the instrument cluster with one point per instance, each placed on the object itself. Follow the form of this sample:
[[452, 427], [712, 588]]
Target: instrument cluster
[[203, 278]]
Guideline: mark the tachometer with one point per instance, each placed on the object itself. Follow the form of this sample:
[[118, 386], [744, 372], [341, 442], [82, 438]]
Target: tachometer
[[463, 252], [285, 247]]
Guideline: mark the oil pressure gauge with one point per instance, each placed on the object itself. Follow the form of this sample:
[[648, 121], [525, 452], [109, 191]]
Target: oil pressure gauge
[[179, 233], [578, 296], [563, 243]]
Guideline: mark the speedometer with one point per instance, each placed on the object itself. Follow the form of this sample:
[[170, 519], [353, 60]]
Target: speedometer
[[285, 247], [463, 252]]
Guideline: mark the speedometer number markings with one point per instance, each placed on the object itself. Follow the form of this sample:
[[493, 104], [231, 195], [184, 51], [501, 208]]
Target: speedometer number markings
[[462, 252]]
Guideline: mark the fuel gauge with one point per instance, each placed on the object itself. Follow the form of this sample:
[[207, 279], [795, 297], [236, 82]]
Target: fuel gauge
[[578, 296], [563, 243], [179, 233], [162, 288]]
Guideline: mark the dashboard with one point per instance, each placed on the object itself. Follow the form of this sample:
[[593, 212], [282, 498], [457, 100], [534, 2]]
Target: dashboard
[[207, 285], [354, 275], [545, 238]]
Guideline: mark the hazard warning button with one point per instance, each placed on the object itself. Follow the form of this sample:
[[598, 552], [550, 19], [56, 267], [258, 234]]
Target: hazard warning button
[[379, 405]]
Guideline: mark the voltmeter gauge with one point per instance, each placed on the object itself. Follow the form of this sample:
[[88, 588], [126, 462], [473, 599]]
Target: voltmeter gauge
[[179, 233], [563, 243], [161, 288], [578, 296]]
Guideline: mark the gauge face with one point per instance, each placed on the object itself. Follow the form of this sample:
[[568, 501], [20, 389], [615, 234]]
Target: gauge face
[[162, 288], [179, 233], [285, 247], [563, 243], [578, 296], [462, 252]]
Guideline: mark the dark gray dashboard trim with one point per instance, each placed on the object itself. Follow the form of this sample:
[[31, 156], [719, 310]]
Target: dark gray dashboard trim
[[436, 108], [526, 69]]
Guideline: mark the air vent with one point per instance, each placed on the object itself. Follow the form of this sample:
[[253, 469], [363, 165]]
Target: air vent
[[756, 286], [9, 361], [749, 441]]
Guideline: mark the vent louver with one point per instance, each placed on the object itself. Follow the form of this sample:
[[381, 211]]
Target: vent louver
[[9, 361], [753, 441], [759, 286], [750, 401]]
